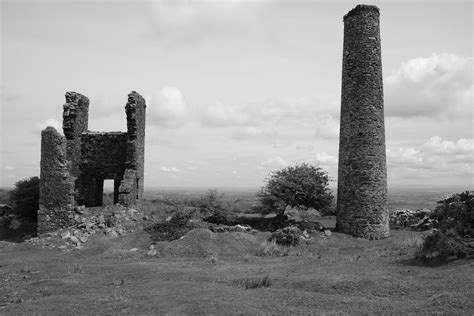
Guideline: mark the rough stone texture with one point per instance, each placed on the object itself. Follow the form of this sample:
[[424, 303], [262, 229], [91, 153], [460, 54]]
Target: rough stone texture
[[56, 183], [102, 157], [362, 178], [75, 121], [74, 167], [131, 187]]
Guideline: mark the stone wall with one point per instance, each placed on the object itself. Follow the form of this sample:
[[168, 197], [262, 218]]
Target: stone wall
[[131, 187], [56, 183], [74, 167], [362, 176], [102, 157], [75, 122]]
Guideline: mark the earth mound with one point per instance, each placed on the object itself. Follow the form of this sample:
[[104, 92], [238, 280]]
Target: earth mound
[[202, 242]]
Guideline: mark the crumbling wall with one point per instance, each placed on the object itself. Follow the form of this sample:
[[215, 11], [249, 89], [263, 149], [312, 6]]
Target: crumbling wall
[[56, 183], [74, 167], [75, 121], [131, 187], [102, 157], [362, 176]]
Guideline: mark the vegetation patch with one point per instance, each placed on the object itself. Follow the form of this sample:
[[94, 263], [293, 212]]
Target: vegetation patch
[[454, 238], [253, 282]]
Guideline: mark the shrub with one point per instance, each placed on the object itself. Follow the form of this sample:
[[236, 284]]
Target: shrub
[[456, 212], [288, 236], [218, 210], [455, 216], [440, 248], [270, 249], [300, 186], [25, 197]]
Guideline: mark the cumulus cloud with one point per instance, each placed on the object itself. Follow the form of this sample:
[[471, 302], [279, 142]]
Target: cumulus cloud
[[168, 108], [276, 122], [325, 158], [437, 145], [434, 158], [49, 122], [273, 163], [170, 169], [435, 86]]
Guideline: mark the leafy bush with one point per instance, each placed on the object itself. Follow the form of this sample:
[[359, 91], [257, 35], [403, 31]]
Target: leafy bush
[[453, 239], [456, 212], [303, 186], [5, 196], [440, 247], [25, 197], [288, 236]]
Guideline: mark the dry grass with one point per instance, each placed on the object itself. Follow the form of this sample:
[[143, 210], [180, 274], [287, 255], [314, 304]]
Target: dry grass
[[335, 276], [271, 249], [253, 283], [409, 244]]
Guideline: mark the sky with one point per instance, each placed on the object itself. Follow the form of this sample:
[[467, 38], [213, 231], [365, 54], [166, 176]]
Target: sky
[[236, 89]]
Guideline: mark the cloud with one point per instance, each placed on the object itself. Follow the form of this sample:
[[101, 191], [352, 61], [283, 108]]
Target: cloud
[[219, 114], [276, 122], [170, 169], [273, 163], [9, 168], [440, 85], [327, 127], [325, 158], [436, 158], [191, 21], [8, 97], [168, 108], [49, 122], [437, 145]]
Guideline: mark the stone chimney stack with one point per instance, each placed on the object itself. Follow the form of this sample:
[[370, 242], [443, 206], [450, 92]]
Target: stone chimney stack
[[362, 176]]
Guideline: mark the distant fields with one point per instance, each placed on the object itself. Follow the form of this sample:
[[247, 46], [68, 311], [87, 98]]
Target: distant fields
[[398, 198]]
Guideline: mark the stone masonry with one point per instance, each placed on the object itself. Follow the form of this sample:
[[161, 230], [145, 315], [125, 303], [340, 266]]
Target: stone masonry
[[74, 166], [362, 176]]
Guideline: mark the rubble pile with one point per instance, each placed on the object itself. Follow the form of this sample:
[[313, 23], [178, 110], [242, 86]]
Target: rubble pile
[[110, 221], [419, 220], [231, 229]]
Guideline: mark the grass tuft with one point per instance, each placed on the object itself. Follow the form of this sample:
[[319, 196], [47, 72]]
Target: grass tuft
[[253, 283], [409, 244], [74, 269], [271, 249]]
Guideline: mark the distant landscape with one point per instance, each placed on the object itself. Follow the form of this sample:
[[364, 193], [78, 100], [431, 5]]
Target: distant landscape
[[413, 198]]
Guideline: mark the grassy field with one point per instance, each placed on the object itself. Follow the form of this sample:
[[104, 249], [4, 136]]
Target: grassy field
[[208, 273], [334, 275]]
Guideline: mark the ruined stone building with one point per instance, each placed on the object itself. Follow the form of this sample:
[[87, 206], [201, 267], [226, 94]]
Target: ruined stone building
[[74, 166], [362, 176]]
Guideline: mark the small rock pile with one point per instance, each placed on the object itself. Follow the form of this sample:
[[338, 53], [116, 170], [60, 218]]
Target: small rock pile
[[231, 229], [419, 220], [111, 221]]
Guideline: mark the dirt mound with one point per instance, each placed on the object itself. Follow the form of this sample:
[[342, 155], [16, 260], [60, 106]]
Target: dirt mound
[[202, 242]]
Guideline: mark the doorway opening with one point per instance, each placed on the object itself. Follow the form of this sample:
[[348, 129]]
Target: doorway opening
[[108, 192]]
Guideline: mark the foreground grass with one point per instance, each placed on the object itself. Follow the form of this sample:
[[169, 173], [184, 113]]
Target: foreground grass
[[339, 274]]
